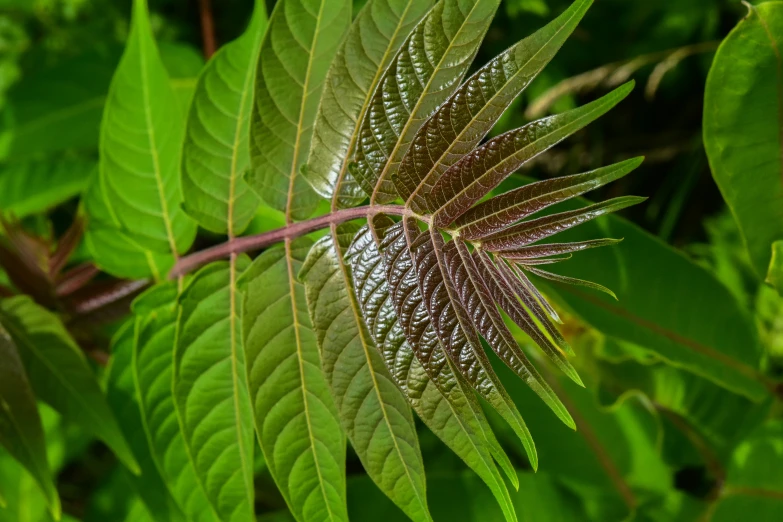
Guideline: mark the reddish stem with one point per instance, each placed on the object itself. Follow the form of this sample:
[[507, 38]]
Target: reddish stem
[[246, 244], [207, 28]]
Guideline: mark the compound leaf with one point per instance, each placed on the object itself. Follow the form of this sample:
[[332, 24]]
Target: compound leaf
[[376, 417]]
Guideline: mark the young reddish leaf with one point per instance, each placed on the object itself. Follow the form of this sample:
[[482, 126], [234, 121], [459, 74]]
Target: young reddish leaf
[[528, 232], [466, 117], [453, 326], [530, 253], [570, 280], [510, 207], [478, 301], [520, 312], [427, 69], [475, 175], [402, 291]]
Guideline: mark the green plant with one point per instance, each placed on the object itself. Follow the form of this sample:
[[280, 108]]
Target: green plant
[[421, 262]]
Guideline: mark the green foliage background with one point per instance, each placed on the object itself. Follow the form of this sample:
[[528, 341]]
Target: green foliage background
[[667, 429]]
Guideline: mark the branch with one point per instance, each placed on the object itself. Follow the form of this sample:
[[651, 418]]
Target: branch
[[246, 244], [207, 28]]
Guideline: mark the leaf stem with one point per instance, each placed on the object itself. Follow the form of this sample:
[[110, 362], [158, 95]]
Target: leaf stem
[[246, 244]]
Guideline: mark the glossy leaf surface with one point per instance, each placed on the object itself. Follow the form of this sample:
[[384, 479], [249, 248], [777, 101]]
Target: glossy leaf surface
[[424, 73], [300, 43], [470, 112], [470, 179], [374, 412], [375, 36]]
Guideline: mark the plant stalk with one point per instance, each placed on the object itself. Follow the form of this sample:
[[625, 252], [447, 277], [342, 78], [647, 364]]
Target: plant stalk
[[238, 245]]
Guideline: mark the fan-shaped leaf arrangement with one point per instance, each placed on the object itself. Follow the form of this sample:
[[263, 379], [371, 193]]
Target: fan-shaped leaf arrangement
[[312, 343], [410, 298]]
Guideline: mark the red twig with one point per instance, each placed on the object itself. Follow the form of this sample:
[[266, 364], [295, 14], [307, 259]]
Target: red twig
[[207, 28], [246, 244]]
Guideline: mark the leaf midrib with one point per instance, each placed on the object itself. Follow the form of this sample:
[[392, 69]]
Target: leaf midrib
[[365, 343], [300, 359], [152, 142]]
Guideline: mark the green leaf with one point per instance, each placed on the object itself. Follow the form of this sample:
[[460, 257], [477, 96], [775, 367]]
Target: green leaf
[[296, 420], [371, 44], [21, 432], [141, 139], [300, 43], [210, 389], [60, 107], [216, 152], [374, 412], [666, 304], [472, 110], [124, 402], [424, 73], [33, 187], [612, 460], [720, 417], [743, 127], [775, 269], [59, 372], [113, 249], [754, 486], [152, 365], [414, 332]]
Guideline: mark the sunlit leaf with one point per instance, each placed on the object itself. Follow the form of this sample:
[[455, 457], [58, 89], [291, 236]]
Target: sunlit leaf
[[141, 140], [470, 179], [124, 402], [216, 155], [376, 417], [440, 397], [470, 112], [300, 43], [153, 367], [424, 73], [372, 42], [210, 389], [296, 421]]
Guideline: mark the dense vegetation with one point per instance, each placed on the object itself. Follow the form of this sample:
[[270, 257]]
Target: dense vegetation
[[316, 260]]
